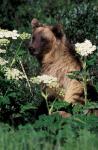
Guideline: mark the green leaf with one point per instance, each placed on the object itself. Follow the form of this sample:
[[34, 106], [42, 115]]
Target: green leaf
[[4, 100], [27, 107]]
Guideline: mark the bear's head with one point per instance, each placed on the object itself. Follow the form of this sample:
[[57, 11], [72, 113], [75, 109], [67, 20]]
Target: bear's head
[[44, 38]]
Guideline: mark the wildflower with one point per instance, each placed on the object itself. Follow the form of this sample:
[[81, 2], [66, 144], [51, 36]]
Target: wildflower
[[3, 61], [14, 34], [25, 36], [2, 50], [45, 79], [9, 34], [1, 35], [13, 73], [4, 42], [85, 48], [50, 81]]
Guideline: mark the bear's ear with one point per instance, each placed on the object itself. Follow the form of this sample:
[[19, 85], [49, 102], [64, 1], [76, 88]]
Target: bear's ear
[[35, 23], [58, 31]]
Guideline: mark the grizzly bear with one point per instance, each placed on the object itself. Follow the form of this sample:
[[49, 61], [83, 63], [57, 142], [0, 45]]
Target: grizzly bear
[[57, 58]]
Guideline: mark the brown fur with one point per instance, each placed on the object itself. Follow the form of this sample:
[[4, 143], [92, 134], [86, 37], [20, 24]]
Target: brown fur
[[57, 58]]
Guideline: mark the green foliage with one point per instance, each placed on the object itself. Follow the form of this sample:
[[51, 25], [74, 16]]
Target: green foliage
[[18, 98], [80, 22], [79, 18], [52, 132]]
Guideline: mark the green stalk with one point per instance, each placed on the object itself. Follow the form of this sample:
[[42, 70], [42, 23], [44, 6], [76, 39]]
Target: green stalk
[[85, 79], [45, 96], [51, 108], [14, 59], [26, 77]]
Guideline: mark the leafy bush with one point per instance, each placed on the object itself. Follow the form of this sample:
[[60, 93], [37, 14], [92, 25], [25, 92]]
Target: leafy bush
[[18, 97], [78, 17]]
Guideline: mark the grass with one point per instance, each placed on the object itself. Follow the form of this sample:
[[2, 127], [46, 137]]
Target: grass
[[75, 133]]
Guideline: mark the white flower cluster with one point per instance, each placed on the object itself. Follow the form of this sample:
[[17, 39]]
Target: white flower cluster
[[25, 36], [13, 73], [46, 79], [2, 51], [50, 82], [85, 48], [9, 34], [3, 61], [4, 42]]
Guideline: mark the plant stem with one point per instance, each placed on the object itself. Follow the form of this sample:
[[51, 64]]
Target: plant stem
[[13, 61], [45, 96], [51, 108], [26, 77], [85, 79]]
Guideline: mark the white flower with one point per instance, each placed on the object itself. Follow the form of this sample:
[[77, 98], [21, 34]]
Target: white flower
[[1, 35], [15, 34], [14, 37], [2, 50], [50, 82], [3, 61], [85, 48], [9, 34], [13, 73], [4, 42], [46, 79], [14, 31], [25, 36]]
